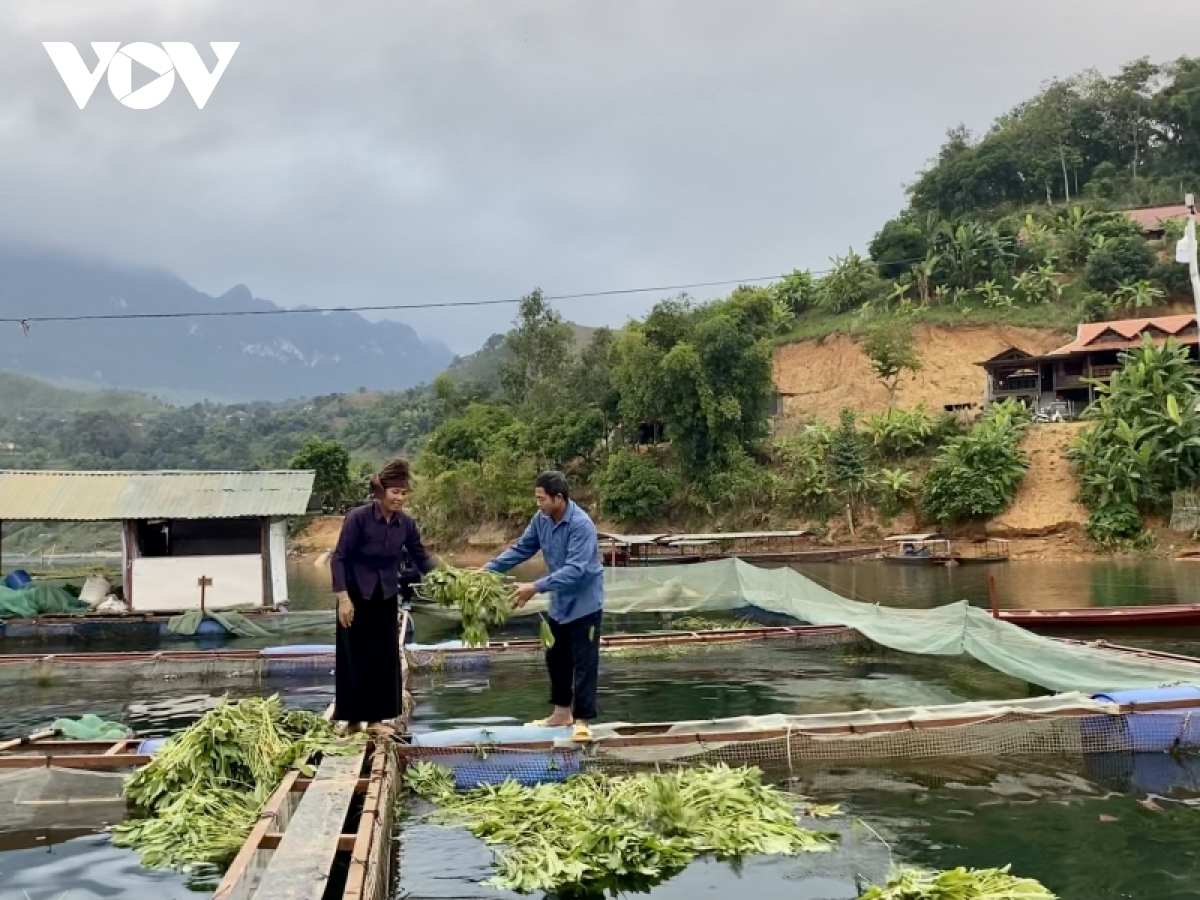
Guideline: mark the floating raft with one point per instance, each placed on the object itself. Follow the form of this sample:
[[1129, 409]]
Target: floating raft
[[333, 827], [314, 660], [130, 625], [1163, 720]]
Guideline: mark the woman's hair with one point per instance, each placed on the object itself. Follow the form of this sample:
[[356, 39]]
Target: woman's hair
[[395, 474]]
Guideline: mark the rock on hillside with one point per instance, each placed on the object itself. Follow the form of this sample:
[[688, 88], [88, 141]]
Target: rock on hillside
[[818, 378]]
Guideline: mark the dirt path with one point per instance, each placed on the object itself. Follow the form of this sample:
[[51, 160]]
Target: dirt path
[[1047, 499]]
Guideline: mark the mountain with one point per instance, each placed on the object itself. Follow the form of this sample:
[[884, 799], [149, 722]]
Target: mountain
[[261, 357], [20, 394]]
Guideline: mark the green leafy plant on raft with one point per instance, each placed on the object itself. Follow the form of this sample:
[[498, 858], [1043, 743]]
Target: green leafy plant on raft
[[594, 833], [482, 599], [205, 788], [958, 884]]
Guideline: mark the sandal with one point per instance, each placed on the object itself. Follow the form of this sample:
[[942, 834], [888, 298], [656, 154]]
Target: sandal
[[582, 732], [545, 723]]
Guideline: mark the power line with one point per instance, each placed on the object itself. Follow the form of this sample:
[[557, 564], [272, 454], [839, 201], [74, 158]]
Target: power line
[[26, 321], [391, 307]]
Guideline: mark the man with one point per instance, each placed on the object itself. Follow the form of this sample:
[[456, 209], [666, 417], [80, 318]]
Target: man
[[567, 538]]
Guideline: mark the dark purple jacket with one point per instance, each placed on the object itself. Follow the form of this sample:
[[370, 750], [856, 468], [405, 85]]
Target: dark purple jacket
[[370, 548]]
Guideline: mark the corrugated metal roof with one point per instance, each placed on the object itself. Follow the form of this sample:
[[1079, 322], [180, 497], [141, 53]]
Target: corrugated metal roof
[[113, 496]]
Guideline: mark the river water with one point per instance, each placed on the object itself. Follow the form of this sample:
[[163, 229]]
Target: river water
[[1095, 829]]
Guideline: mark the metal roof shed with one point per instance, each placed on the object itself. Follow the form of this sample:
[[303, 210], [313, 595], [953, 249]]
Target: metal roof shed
[[228, 529]]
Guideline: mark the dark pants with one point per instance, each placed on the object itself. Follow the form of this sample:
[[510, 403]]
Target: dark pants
[[574, 664], [367, 678]]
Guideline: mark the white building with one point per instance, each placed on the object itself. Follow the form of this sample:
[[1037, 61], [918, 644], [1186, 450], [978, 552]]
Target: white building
[[177, 528]]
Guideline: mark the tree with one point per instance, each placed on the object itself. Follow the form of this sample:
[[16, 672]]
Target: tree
[[704, 372], [848, 465], [330, 461], [898, 246], [892, 348], [468, 437], [633, 488], [540, 344]]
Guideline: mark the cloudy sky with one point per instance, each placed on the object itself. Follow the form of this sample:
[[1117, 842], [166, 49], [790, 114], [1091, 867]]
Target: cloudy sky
[[381, 151]]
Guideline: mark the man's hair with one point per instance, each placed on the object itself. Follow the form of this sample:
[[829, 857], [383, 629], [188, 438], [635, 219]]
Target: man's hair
[[554, 484]]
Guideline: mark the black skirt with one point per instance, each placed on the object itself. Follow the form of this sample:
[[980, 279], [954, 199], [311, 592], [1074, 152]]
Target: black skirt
[[368, 676]]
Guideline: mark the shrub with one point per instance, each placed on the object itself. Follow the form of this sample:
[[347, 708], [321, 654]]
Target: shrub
[[852, 283], [895, 489], [1117, 261], [633, 488], [976, 475], [801, 470], [1144, 439], [898, 433], [1116, 527]]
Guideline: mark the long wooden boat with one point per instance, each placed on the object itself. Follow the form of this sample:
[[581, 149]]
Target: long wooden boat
[[938, 550], [1174, 615], [756, 547]]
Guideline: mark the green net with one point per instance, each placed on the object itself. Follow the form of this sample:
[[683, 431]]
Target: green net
[[730, 585], [38, 600], [90, 728], [234, 622]]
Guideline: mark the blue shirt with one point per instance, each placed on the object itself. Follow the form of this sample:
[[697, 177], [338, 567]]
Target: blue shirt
[[572, 553]]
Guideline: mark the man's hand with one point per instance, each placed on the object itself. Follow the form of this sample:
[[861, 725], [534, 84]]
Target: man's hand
[[525, 593], [345, 610]]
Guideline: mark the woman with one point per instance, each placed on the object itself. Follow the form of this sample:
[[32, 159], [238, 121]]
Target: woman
[[366, 580]]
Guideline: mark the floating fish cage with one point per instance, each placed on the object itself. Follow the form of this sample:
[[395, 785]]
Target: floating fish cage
[[317, 660], [1165, 720]]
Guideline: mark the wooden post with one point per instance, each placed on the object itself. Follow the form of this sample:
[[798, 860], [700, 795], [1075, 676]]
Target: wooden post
[[204, 582], [129, 553], [992, 600]]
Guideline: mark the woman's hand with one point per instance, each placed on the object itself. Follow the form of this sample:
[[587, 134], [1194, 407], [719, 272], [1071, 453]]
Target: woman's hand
[[345, 610]]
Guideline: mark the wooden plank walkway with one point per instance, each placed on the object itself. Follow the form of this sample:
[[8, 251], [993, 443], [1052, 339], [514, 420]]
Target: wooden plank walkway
[[300, 868]]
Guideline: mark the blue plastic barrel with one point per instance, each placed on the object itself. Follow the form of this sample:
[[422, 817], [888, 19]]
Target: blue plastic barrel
[[17, 579], [1152, 731], [150, 746]]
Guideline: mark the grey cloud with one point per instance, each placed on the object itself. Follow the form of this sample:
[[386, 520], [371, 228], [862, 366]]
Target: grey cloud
[[369, 152]]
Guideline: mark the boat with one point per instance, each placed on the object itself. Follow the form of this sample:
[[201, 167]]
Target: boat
[[935, 549], [1180, 615], [762, 548]]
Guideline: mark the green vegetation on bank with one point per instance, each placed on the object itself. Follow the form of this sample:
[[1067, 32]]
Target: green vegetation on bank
[[668, 418]]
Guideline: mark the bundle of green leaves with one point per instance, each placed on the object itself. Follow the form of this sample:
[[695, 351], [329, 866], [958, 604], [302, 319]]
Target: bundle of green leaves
[[594, 833], [481, 598], [204, 789], [958, 884]]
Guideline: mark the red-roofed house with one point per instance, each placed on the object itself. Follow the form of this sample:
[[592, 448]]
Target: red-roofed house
[[1062, 375], [1151, 219]]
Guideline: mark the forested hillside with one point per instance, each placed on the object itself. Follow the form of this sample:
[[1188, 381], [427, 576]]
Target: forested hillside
[[670, 418]]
